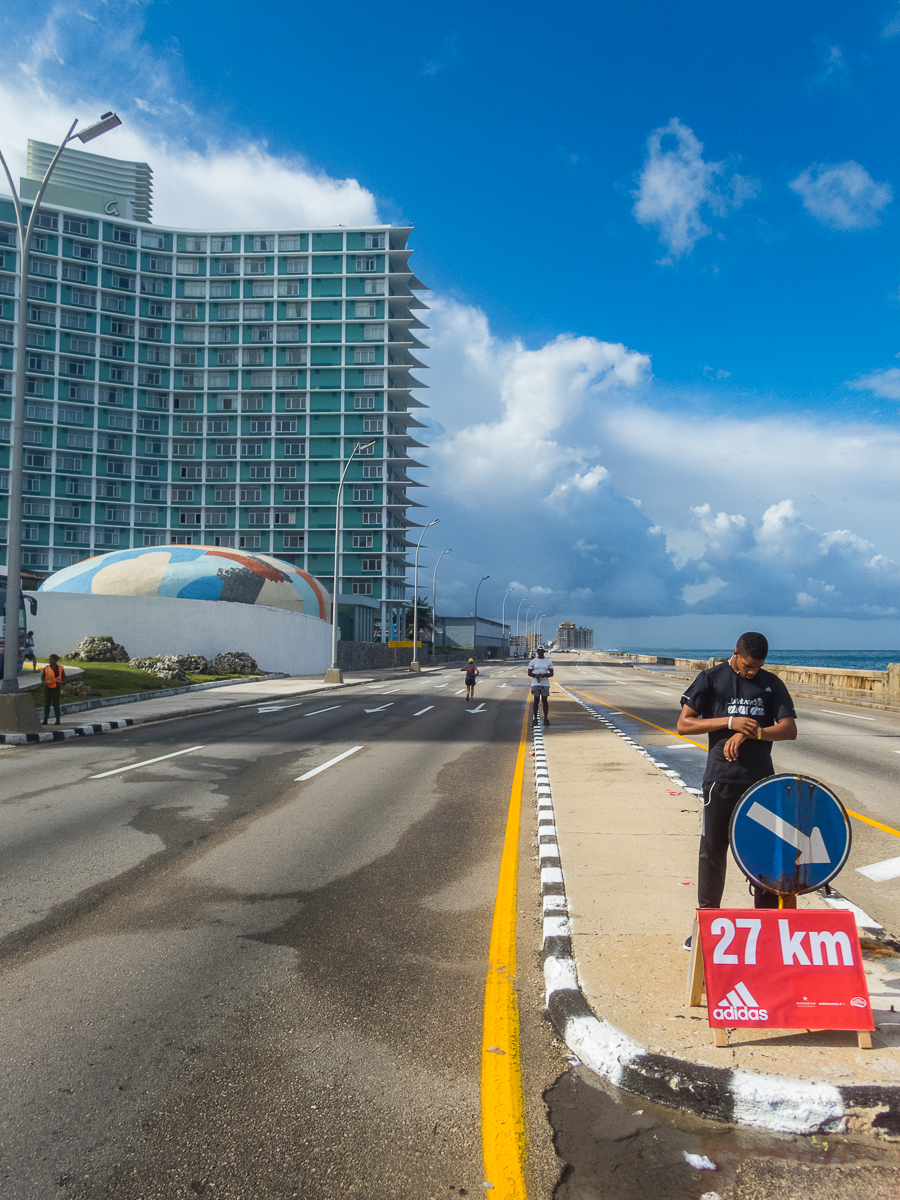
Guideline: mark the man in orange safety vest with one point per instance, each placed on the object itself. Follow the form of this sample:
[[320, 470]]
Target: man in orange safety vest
[[54, 676]]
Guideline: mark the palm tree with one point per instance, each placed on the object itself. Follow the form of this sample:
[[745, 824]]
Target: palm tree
[[426, 621]]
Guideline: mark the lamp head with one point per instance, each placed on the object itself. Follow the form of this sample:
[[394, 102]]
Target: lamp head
[[107, 121]]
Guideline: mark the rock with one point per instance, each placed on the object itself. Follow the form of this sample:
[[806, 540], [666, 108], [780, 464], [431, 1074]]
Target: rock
[[164, 666], [99, 649], [74, 690], [235, 662]]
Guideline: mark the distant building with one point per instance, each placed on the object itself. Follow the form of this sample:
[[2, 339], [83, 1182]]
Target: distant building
[[574, 637], [457, 633]]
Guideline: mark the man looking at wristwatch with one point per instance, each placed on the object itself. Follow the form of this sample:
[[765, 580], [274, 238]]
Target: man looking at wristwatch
[[743, 709]]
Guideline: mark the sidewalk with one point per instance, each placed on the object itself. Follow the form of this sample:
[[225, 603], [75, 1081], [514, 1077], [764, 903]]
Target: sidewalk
[[627, 838], [262, 691]]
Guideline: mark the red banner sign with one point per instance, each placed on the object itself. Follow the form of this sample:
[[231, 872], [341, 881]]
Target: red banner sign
[[783, 969]]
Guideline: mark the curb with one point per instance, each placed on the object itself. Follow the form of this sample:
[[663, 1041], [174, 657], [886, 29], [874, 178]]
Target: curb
[[76, 706], [772, 1102], [62, 735]]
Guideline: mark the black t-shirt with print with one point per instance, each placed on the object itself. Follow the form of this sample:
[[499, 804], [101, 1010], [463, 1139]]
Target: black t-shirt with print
[[721, 692]]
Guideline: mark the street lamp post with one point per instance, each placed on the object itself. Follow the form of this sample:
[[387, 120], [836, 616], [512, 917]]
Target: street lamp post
[[527, 611], [534, 623], [503, 615], [15, 711], [414, 665], [333, 674], [518, 610], [475, 625], [434, 593]]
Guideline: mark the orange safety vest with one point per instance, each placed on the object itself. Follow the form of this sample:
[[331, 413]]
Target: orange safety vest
[[51, 678]]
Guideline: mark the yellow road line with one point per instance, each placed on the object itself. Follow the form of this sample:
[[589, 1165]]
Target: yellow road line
[[634, 716], [502, 1104]]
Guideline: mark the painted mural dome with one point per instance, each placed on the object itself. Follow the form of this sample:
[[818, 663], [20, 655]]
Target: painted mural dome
[[195, 573]]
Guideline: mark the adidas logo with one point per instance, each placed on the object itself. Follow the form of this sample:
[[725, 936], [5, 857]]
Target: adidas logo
[[739, 1005]]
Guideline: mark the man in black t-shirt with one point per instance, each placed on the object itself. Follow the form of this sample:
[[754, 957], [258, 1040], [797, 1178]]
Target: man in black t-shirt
[[743, 709]]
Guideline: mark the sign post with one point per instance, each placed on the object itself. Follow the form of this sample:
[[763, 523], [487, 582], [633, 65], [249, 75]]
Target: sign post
[[783, 968]]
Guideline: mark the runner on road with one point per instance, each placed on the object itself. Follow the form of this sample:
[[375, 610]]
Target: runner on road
[[540, 669], [743, 709], [471, 674]]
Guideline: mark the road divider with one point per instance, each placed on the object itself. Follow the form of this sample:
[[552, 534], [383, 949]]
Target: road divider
[[324, 767]]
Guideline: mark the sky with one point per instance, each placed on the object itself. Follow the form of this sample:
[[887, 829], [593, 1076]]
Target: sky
[[663, 251]]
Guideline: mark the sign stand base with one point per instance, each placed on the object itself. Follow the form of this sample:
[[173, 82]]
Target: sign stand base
[[696, 988]]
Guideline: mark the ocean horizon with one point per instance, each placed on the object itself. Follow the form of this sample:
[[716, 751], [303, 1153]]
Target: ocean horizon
[[861, 660]]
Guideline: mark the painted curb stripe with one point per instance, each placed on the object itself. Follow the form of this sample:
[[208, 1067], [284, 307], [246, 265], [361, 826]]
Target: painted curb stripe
[[63, 735], [502, 1104], [773, 1102]]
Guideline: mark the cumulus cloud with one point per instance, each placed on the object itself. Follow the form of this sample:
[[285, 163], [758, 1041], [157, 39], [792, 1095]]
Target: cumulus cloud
[[203, 175], [884, 382], [677, 186], [843, 196]]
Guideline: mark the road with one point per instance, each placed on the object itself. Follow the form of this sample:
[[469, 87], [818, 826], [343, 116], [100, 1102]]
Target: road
[[223, 978], [853, 750], [243, 956]]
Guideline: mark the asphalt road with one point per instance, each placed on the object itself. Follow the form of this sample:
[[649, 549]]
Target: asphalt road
[[219, 978], [853, 750]]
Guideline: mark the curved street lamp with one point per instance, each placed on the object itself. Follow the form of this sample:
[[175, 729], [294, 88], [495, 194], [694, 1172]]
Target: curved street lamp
[[503, 616], [414, 665], [333, 674], [475, 625], [434, 593], [527, 611], [518, 610], [10, 683]]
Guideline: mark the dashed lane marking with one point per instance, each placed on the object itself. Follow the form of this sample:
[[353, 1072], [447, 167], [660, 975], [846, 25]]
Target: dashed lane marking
[[321, 710], [390, 704], [834, 713], [145, 763], [324, 767], [423, 710], [880, 872]]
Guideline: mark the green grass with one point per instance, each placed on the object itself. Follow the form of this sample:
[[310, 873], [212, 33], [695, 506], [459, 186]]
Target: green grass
[[119, 679]]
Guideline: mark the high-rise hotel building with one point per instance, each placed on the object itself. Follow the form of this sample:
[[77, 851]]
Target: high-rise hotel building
[[207, 387]]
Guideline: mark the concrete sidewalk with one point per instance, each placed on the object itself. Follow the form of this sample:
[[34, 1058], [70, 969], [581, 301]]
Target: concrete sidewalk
[[627, 838]]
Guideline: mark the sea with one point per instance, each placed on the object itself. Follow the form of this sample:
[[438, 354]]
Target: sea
[[861, 660]]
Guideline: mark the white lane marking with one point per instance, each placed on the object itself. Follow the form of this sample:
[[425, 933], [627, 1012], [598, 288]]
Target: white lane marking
[[321, 710], [325, 766], [423, 710], [390, 691], [863, 920], [145, 763], [879, 872], [279, 707], [834, 713], [460, 692], [383, 707], [480, 708], [662, 693]]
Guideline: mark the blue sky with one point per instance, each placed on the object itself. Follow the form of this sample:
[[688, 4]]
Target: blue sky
[[664, 255]]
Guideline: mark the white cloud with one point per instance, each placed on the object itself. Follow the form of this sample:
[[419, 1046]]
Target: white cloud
[[884, 382], [843, 196], [891, 27], [200, 179], [677, 184]]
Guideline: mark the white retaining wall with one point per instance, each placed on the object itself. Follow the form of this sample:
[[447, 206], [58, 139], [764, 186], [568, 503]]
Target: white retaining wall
[[279, 640]]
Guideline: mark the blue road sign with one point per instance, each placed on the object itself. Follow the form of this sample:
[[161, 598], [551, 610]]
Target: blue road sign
[[790, 834]]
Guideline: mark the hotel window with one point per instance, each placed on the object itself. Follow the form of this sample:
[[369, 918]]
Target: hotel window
[[72, 274], [290, 241], [185, 404], [192, 335], [106, 537], [293, 541], [216, 472], [160, 264], [264, 289], [108, 395], [225, 358], [226, 449], [224, 495], [115, 258], [254, 312], [109, 491], [294, 495], [119, 420], [216, 518], [282, 424], [373, 425], [263, 242], [259, 518], [118, 514], [47, 316], [78, 487], [183, 358], [373, 472], [191, 424], [87, 252], [261, 379], [373, 333], [126, 375], [78, 537], [251, 404], [286, 379], [295, 358], [154, 447], [186, 312], [296, 266], [148, 424], [189, 518], [111, 349], [363, 401], [254, 358], [190, 473], [182, 539], [249, 541], [229, 266], [285, 288], [152, 492], [295, 403], [251, 449], [365, 308], [183, 495], [145, 516], [153, 241], [196, 291], [362, 588], [261, 426], [254, 266], [125, 237], [219, 379], [220, 245], [373, 378], [363, 541], [371, 564], [150, 287], [295, 449], [34, 337], [68, 512], [251, 495], [122, 328], [194, 244], [228, 312], [261, 333], [296, 312], [36, 291], [155, 309], [183, 449], [157, 400], [260, 472], [220, 334], [158, 354], [47, 220], [218, 289], [40, 412], [217, 425], [155, 539], [283, 516], [374, 241], [147, 470], [374, 287], [372, 517], [85, 441], [36, 509], [366, 264], [363, 356], [363, 495]]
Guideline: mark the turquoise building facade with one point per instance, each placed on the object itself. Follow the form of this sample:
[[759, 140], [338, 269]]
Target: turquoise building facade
[[206, 387]]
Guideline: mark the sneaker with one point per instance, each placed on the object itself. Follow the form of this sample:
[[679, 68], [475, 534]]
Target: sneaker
[[546, 720], [688, 940]]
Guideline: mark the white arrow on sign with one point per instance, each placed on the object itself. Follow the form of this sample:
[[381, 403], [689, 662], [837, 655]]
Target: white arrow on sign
[[812, 848], [480, 708], [383, 707]]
